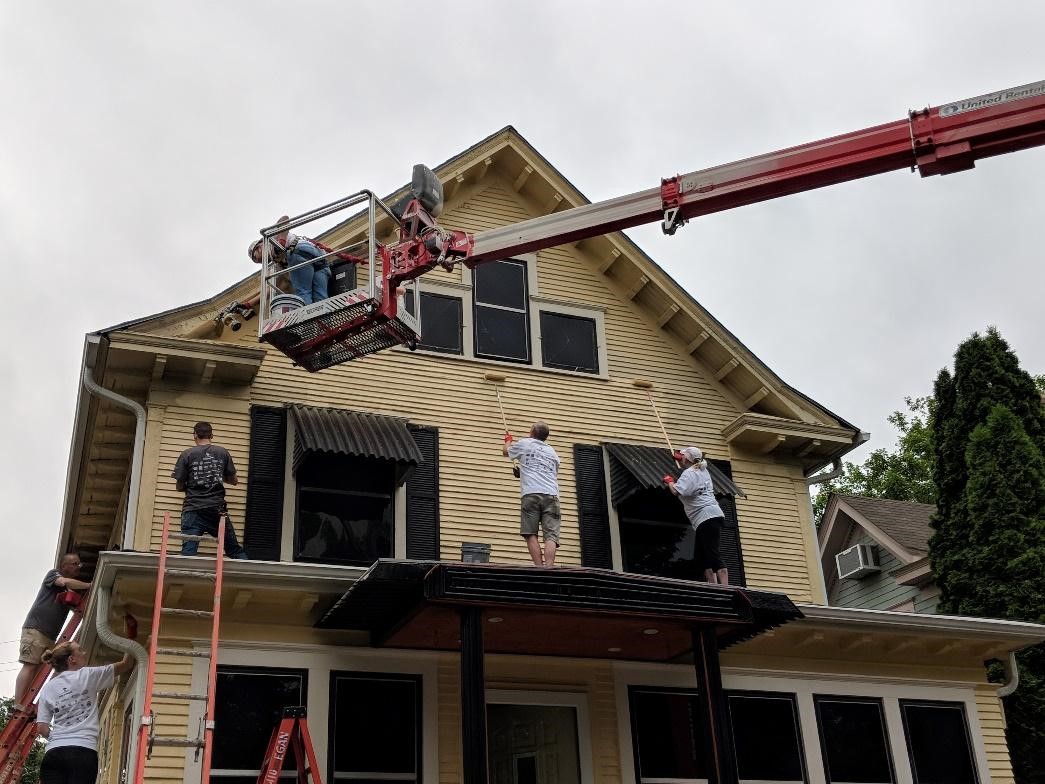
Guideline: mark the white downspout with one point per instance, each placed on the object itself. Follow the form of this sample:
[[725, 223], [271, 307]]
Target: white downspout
[[1012, 676], [124, 645], [136, 458], [827, 476]]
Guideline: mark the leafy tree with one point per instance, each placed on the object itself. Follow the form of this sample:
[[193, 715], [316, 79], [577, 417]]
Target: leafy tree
[[31, 772], [988, 548], [903, 473]]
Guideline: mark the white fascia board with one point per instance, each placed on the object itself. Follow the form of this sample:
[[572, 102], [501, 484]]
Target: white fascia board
[[288, 574], [1019, 634]]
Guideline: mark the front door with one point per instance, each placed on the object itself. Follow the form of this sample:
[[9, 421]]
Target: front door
[[533, 744]]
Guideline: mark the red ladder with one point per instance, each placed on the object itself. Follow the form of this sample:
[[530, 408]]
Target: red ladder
[[16, 741], [204, 741], [291, 733]]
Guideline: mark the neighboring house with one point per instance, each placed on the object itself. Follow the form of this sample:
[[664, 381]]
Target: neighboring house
[[590, 672], [893, 540]]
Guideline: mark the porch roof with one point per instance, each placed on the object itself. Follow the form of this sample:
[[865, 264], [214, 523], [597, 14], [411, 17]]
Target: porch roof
[[564, 611]]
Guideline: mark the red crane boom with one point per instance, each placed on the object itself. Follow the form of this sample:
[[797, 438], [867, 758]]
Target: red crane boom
[[937, 140]]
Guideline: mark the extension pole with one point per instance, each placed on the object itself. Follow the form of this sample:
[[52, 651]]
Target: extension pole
[[640, 383], [495, 379]]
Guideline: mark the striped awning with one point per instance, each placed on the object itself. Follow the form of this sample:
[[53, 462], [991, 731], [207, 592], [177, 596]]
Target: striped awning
[[634, 468], [338, 431]]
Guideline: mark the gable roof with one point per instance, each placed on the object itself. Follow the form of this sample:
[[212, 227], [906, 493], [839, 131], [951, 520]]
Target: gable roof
[[901, 527], [905, 521], [773, 414]]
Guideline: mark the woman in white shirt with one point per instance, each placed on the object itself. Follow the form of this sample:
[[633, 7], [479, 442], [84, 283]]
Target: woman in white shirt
[[697, 493], [67, 714]]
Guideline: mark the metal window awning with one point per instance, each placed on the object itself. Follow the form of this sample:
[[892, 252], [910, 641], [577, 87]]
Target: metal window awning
[[634, 468], [564, 611], [341, 432]]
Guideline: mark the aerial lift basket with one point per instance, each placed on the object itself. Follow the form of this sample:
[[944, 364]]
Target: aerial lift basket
[[347, 325]]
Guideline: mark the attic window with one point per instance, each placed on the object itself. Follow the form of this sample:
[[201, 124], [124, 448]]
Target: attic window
[[569, 342], [502, 317]]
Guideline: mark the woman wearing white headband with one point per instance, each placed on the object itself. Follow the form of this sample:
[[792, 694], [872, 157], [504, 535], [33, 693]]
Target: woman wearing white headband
[[697, 493]]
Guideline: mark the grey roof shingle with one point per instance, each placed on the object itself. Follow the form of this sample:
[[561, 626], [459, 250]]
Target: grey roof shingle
[[905, 521]]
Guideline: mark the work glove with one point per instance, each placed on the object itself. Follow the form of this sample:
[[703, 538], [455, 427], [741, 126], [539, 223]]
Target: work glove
[[508, 438], [130, 624], [669, 479], [679, 457]]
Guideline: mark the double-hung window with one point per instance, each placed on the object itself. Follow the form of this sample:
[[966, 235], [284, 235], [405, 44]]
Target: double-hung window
[[495, 313], [501, 302]]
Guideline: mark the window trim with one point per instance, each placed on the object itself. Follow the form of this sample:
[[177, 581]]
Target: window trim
[[554, 699], [527, 313], [887, 736], [537, 304], [288, 541], [791, 697], [257, 669], [632, 689], [805, 685], [419, 721], [960, 706]]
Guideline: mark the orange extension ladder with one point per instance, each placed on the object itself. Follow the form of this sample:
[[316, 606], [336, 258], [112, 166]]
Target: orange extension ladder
[[204, 741], [291, 733], [16, 741]]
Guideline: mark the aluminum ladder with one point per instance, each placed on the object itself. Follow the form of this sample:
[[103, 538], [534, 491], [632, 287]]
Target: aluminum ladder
[[204, 741]]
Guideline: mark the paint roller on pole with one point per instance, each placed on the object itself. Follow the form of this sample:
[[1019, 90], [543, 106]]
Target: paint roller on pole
[[641, 383], [495, 379]]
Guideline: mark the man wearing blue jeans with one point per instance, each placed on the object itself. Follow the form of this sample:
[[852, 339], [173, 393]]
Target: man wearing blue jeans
[[202, 473], [311, 282]]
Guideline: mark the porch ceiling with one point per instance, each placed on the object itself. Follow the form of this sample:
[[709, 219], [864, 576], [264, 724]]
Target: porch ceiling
[[588, 613]]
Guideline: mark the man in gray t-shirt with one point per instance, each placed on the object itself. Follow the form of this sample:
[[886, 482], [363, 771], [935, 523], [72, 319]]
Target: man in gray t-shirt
[[539, 488], [45, 619], [202, 473]]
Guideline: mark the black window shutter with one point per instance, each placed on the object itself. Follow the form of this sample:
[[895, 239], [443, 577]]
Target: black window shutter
[[422, 498], [593, 517], [263, 528], [729, 544]]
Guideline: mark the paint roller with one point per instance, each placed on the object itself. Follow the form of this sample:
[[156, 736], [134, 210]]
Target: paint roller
[[641, 383], [495, 379]]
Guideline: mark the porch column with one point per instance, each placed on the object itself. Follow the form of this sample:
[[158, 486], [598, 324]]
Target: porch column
[[718, 740], [473, 697]]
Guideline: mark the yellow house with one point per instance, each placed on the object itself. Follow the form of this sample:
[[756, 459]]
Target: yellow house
[[607, 670]]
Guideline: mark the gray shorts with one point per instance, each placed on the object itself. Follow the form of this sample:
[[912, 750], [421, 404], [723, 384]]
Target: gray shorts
[[541, 510]]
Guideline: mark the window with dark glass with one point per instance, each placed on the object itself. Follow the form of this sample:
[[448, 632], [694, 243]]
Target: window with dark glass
[[569, 342], [854, 740], [767, 740], [345, 509], [248, 704], [938, 742], [375, 727], [500, 295], [656, 538], [441, 321], [667, 734]]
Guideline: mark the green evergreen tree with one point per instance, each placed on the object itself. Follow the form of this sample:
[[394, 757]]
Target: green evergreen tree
[[988, 546], [31, 771]]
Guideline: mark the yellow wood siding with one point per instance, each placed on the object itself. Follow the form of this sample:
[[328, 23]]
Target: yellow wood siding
[[174, 429], [173, 673], [478, 495], [992, 725]]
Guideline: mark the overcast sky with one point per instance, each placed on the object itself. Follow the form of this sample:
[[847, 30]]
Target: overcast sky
[[143, 144]]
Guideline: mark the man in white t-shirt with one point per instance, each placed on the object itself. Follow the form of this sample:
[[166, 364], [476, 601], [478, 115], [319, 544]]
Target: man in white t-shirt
[[539, 487]]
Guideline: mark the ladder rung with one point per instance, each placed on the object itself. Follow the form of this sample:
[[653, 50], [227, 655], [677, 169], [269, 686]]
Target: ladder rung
[[190, 537], [180, 695], [193, 613], [189, 743], [191, 573], [184, 652]]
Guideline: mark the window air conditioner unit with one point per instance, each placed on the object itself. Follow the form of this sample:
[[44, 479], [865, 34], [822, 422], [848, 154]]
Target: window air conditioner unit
[[858, 561]]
